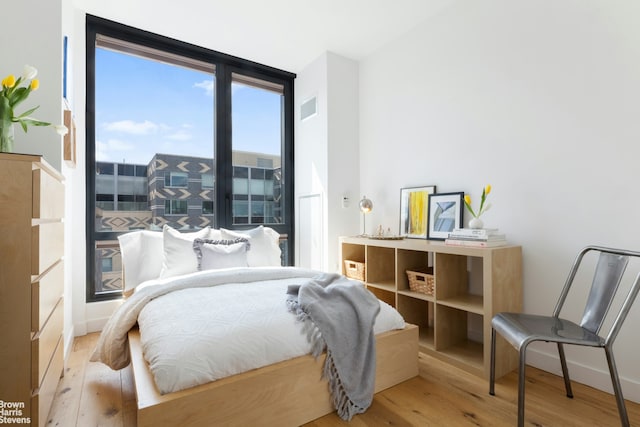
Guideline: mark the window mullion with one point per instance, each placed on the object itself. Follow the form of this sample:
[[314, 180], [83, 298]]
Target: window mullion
[[223, 154]]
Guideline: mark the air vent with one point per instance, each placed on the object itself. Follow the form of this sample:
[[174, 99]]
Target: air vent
[[308, 109]]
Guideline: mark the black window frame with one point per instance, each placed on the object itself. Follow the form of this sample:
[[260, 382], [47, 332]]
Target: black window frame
[[225, 65]]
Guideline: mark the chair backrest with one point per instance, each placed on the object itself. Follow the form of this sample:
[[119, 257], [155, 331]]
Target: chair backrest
[[608, 274], [606, 280]]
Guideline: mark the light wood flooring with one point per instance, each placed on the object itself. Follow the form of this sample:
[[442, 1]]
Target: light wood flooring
[[91, 394]]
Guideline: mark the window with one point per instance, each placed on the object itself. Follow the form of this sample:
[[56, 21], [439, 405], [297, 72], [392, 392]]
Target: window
[[176, 179], [175, 207], [190, 124], [107, 265], [267, 133], [207, 180], [103, 168]]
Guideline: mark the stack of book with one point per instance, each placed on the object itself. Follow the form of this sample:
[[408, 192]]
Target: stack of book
[[478, 237]]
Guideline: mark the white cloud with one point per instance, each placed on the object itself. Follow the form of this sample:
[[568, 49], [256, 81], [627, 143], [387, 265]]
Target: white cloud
[[180, 135], [135, 128], [207, 85], [105, 150], [118, 145]]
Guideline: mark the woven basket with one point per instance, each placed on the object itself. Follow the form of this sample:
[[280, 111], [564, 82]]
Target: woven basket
[[421, 282], [354, 269]]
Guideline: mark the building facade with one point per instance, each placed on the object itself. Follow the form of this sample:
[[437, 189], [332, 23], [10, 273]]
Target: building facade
[[178, 191]]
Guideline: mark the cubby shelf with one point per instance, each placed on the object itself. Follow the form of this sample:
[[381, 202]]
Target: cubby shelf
[[471, 286]]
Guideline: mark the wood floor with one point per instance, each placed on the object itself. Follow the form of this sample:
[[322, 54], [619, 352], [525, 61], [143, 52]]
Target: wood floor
[[90, 394]]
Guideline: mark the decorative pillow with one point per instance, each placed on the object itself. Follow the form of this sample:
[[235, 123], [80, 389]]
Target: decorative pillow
[[265, 250], [215, 254], [141, 253], [178, 256], [215, 234]]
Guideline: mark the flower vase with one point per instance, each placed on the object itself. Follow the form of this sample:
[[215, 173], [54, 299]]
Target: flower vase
[[6, 138], [476, 223]]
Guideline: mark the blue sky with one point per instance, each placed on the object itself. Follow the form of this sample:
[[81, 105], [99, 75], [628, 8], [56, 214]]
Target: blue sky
[[145, 107]]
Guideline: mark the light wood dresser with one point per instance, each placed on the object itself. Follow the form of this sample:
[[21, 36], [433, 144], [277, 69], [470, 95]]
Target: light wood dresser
[[31, 286]]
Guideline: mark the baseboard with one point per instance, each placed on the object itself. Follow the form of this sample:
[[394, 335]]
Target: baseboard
[[89, 326], [68, 343], [96, 316], [588, 375], [96, 325]]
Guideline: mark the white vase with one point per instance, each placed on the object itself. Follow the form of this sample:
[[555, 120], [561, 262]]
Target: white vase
[[476, 223]]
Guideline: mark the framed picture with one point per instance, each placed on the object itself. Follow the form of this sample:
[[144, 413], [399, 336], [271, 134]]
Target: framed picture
[[414, 208], [69, 140], [445, 214], [65, 47]]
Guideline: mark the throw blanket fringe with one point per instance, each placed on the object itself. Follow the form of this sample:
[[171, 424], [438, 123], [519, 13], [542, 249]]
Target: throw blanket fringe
[[354, 303], [345, 408]]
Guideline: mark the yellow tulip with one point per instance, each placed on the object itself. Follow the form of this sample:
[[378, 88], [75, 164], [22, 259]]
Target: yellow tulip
[[487, 189], [35, 84], [467, 199], [9, 81]]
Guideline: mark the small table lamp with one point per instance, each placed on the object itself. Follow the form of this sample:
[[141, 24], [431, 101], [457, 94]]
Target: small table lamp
[[366, 206]]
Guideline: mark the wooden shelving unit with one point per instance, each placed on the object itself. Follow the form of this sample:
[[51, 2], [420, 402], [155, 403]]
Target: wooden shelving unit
[[471, 286]]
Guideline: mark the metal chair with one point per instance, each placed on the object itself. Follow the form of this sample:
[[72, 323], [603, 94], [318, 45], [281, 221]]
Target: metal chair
[[521, 329]]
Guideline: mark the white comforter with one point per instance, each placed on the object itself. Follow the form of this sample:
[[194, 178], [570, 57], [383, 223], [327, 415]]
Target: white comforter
[[219, 323]]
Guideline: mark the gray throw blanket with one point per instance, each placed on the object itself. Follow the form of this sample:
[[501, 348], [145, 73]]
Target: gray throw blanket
[[339, 315]]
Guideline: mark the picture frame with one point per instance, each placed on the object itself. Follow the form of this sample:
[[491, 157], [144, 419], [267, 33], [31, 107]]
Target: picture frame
[[69, 140], [445, 214], [414, 208], [65, 55]]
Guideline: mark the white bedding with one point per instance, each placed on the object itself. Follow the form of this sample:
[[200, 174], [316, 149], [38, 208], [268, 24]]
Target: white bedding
[[195, 335]]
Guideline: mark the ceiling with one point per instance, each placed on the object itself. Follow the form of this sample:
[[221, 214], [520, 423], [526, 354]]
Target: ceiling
[[286, 34]]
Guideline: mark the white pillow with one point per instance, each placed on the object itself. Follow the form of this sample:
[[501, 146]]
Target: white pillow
[[264, 245], [178, 256], [215, 234], [216, 254], [141, 253]]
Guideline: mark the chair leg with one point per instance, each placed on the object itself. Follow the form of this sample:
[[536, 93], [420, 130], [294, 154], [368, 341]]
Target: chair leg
[[565, 371], [622, 409], [521, 380], [492, 372]]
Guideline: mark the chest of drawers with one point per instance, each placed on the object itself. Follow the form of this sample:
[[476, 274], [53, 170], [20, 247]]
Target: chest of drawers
[[31, 285]]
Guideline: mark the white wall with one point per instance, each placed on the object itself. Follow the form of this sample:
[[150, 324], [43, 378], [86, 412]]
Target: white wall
[[326, 150], [31, 34], [537, 98], [311, 140], [343, 153]]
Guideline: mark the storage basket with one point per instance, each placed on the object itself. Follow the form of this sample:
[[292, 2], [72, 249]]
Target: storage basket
[[422, 282], [354, 269]]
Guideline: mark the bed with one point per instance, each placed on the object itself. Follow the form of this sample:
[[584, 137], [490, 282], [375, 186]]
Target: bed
[[288, 392]]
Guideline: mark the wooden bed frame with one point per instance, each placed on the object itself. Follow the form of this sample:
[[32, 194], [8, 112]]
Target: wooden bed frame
[[286, 393]]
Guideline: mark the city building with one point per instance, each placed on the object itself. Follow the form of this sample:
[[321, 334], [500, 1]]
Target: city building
[[177, 191]]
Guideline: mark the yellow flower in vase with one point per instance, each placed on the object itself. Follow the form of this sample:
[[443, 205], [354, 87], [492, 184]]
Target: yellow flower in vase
[[11, 95], [476, 222]]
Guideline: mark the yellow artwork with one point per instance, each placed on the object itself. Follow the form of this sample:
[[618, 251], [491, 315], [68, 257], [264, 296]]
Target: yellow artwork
[[414, 208], [418, 212]]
